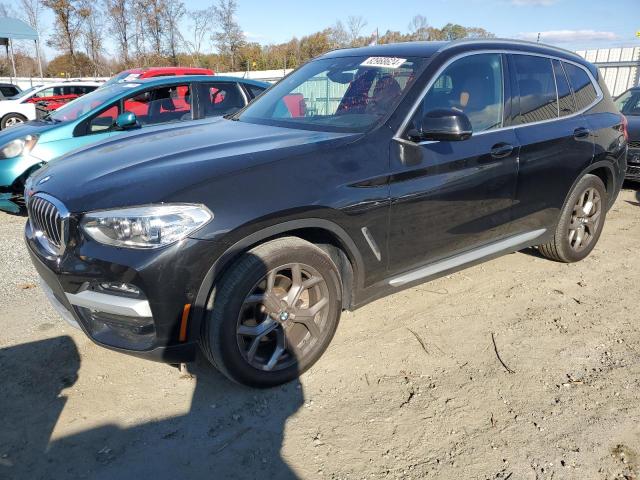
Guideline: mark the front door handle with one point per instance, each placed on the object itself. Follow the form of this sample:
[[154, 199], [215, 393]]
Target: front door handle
[[501, 150], [581, 132]]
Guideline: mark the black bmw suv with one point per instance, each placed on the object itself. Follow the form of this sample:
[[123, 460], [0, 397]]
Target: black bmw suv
[[363, 172]]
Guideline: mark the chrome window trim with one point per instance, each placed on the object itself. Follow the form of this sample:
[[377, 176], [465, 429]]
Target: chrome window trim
[[555, 82], [599, 94]]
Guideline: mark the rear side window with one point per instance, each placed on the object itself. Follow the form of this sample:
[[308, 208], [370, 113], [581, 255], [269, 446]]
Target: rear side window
[[218, 99], [8, 91], [565, 97], [254, 90], [583, 89], [538, 100]]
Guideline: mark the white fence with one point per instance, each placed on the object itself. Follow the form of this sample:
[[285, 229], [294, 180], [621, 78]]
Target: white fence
[[620, 67]]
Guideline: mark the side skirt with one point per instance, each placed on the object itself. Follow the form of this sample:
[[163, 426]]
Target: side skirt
[[448, 265]]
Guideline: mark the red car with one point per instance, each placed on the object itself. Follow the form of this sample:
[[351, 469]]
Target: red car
[[150, 72]]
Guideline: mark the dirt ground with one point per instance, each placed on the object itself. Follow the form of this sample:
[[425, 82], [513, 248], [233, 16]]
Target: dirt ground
[[410, 388]]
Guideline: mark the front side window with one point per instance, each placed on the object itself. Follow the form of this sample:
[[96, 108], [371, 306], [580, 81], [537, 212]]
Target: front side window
[[629, 102], [104, 121], [536, 82], [47, 92], [472, 85], [161, 105], [345, 94], [583, 89], [218, 99]]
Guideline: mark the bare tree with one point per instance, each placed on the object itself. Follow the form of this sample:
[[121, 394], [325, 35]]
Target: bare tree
[[92, 32], [153, 14], [139, 37], [7, 10], [229, 36], [339, 36], [199, 29], [68, 25], [173, 13], [355, 25], [32, 10], [419, 28], [119, 17]]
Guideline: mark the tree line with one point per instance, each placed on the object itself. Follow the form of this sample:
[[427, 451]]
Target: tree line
[[165, 33]]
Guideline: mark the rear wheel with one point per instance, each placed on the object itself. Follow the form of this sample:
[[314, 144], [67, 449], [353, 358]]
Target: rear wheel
[[581, 222], [274, 313], [11, 120]]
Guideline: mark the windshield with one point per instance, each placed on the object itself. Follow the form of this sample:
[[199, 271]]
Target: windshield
[[629, 102], [121, 76], [24, 93], [348, 94], [85, 104]]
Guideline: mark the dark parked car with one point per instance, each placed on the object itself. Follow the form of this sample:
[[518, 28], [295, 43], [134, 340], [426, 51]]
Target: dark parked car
[[8, 90], [250, 235], [629, 104]]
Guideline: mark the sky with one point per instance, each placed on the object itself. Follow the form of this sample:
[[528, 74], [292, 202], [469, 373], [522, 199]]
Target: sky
[[572, 24]]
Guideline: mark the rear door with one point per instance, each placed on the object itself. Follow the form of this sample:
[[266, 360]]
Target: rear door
[[452, 196], [555, 140]]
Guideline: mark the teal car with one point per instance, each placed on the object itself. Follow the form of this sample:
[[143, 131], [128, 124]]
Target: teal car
[[114, 110]]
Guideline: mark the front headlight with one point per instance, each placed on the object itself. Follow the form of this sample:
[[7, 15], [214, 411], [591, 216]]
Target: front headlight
[[145, 227], [17, 147]]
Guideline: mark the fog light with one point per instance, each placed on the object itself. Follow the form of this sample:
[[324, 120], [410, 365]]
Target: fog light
[[119, 287]]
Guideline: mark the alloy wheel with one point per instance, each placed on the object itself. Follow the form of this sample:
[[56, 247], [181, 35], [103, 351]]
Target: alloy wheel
[[585, 219], [284, 318], [13, 121]]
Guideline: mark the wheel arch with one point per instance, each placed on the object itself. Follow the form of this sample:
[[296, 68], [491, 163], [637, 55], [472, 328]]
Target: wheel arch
[[329, 236], [603, 170]]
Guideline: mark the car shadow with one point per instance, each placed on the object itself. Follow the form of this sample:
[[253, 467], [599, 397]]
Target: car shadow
[[240, 438]]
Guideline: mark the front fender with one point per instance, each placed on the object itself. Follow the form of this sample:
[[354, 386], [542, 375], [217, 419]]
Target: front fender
[[199, 308], [17, 168]]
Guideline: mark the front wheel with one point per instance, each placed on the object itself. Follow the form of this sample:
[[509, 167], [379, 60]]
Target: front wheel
[[11, 120], [273, 314], [581, 222]]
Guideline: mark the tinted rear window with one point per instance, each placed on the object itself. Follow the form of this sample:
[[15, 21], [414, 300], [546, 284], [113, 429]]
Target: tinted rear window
[[8, 91], [538, 100], [585, 92]]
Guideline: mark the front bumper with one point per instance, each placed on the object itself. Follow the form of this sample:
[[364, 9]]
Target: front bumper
[[633, 165], [147, 327]]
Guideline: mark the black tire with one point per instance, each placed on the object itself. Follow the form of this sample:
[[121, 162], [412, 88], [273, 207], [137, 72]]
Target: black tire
[[564, 246], [221, 340], [11, 117]]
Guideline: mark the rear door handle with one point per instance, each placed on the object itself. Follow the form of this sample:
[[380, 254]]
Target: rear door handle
[[501, 150], [581, 132]]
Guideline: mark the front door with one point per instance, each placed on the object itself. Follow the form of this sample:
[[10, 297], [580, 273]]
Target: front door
[[451, 196]]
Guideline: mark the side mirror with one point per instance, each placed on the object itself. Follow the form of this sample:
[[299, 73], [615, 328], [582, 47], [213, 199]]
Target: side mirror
[[443, 125], [126, 121]]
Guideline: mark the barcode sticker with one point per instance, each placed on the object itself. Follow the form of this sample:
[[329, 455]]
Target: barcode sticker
[[383, 62]]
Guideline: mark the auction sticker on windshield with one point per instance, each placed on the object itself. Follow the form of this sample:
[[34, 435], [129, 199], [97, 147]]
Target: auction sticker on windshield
[[383, 62]]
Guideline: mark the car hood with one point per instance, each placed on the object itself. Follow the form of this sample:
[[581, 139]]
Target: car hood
[[35, 127], [156, 165], [634, 127]]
